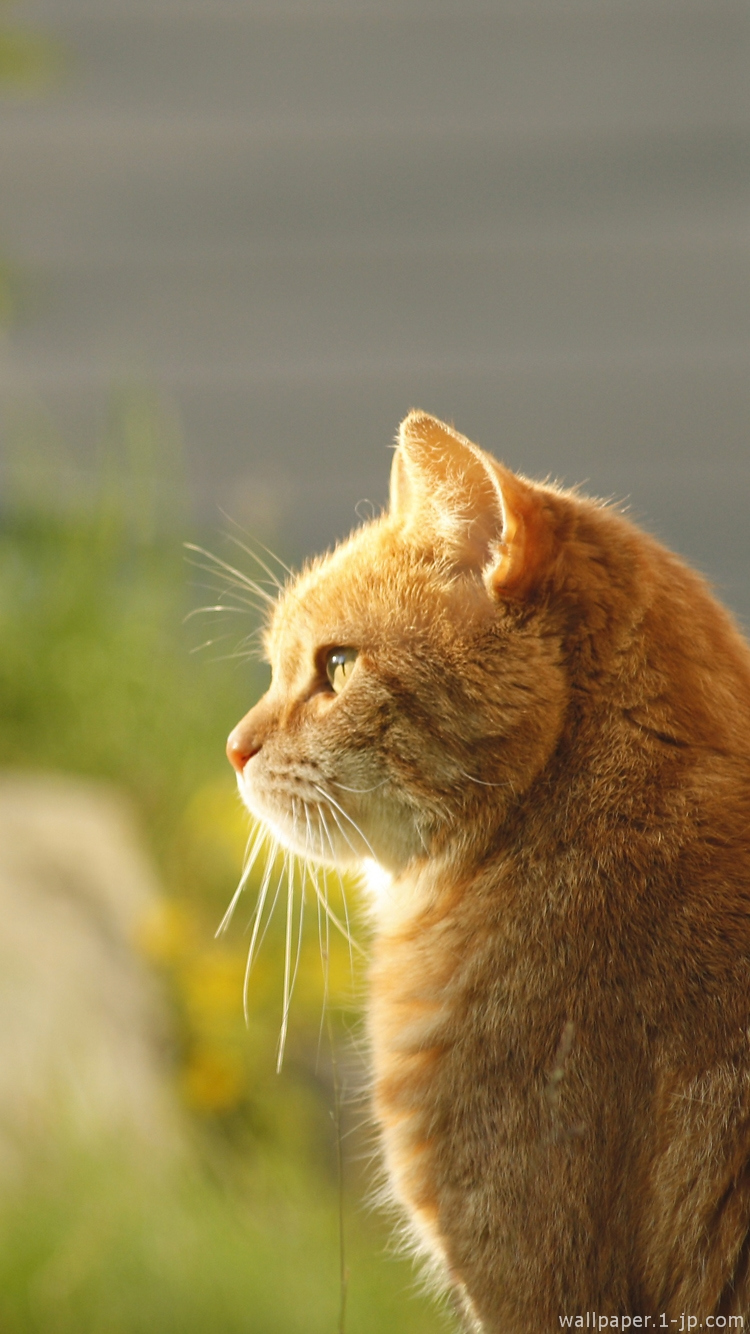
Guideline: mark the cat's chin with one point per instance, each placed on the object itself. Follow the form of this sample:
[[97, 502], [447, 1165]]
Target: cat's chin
[[304, 840], [307, 819]]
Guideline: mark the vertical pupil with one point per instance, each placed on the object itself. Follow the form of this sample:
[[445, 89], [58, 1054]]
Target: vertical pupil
[[339, 664]]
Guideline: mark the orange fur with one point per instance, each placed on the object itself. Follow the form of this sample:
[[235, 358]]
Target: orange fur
[[545, 741]]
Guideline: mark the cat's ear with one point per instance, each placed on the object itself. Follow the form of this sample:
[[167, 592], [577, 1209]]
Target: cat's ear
[[446, 488]]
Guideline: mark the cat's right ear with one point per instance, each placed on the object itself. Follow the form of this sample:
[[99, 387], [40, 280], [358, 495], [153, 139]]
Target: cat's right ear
[[399, 493], [448, 490]]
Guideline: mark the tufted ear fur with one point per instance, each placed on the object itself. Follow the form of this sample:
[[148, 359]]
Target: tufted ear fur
[[445, 489]]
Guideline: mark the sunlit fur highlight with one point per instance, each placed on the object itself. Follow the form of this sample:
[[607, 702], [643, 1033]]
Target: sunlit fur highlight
[[545, 747]]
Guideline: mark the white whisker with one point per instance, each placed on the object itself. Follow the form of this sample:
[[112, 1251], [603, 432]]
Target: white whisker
[[260, 838], [328, 919], [218, 606], [241, 655], [330, 914], [343, 786], [262, 545], [287, 956], [299, 932], [308, 834], [254, 556], [244, 580], [312, 873], [353, 823], [347, 933], [209, 643], [278, 559], [246, 603], [277, 891], [258, 917], [324, 965], [343, 832]]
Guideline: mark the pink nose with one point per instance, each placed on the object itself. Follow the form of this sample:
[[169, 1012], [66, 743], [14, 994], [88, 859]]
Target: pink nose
[[240, 749]]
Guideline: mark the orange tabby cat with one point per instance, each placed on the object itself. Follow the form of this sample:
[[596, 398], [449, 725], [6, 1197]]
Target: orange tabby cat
[[536, 721]]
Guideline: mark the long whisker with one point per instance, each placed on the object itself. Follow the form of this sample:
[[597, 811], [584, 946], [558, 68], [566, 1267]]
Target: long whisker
[[299, 932], [242, 655], [209, 643], [262, 545], [358, 789], [219, 606], [260, 839], [309, 842], [346, 930], [231, 580], [245, 603], [258, 917], [254, 556], [269, 918], [287, 956], [353, 823], [244, 579], [229, 590], [343, 833], [278, 559], [326, 900], [341, 883], [330, 914], [312, 874], [324, 964]]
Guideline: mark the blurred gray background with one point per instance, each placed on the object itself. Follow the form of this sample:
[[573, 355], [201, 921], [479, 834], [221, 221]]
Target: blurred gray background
[[295, 221]]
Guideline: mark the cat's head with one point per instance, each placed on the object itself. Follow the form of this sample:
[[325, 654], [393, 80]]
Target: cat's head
[[419, 682]]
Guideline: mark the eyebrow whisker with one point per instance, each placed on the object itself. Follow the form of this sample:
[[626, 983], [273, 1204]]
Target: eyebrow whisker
[[254, 556], [244, 580]]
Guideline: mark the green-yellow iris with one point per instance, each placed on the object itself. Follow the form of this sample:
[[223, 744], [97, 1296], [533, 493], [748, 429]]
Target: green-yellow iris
[[339, 667]]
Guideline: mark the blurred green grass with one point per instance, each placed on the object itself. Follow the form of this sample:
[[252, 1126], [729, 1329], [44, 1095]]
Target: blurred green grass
[[91, 1244], [98, 677]]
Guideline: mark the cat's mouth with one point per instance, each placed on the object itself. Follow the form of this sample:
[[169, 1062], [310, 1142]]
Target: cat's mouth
[[305, 817]]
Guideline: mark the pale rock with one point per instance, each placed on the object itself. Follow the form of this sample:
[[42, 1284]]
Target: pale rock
[[84, 1032]]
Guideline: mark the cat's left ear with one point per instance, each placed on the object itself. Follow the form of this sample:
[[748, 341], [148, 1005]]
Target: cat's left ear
[[444, 487]]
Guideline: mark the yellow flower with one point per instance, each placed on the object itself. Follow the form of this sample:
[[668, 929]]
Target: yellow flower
[[167, 932], [212, 1080], [212, 984]]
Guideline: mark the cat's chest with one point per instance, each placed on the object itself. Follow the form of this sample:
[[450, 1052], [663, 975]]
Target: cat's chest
[[464, 1022], [412, 1025], [441, 1036]]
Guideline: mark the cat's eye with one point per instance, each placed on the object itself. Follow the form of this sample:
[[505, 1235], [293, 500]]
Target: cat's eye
[[339, 667]]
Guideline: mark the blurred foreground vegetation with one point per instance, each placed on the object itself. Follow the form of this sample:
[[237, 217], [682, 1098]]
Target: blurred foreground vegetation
[[98, 677]]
